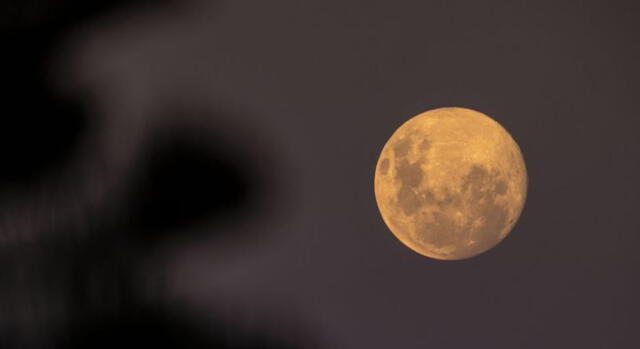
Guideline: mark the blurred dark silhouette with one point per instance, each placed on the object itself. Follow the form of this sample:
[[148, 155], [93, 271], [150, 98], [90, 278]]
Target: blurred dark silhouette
[[82, 290], [161, 328], [187, 181], [40, 127]]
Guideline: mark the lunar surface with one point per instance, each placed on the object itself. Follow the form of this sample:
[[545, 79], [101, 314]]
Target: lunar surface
[[450, 183]]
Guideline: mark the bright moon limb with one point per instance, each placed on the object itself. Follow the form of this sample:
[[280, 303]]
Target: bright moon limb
[[450, 183]]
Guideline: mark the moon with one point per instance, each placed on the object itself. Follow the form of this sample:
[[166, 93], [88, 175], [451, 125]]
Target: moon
[[450, 183]]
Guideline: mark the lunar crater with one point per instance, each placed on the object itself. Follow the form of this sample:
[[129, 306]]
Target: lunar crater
[[402, 147], [384, 167]]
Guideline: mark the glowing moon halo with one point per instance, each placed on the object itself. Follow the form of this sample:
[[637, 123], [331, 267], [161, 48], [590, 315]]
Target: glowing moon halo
[[450, 183]]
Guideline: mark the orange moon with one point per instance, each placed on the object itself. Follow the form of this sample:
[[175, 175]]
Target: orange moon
[[450, 183]]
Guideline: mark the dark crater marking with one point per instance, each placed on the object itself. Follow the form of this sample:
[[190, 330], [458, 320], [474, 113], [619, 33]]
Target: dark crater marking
[[479, 187]]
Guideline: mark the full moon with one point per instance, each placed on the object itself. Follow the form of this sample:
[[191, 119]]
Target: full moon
[[450, 183]]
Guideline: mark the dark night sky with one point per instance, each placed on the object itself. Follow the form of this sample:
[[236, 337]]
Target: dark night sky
[[312, 90]]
